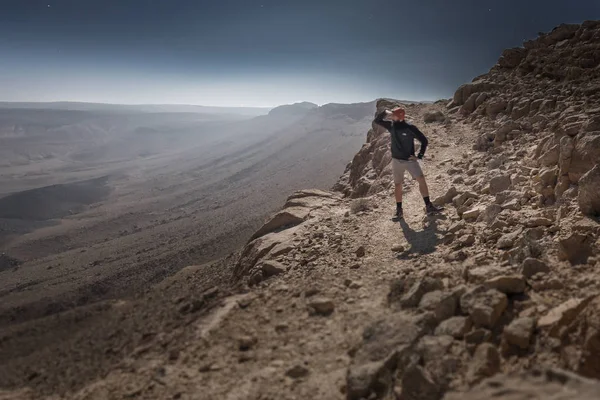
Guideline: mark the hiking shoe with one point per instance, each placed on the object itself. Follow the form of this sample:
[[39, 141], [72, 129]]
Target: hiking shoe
[[398, 215], [431, 209]]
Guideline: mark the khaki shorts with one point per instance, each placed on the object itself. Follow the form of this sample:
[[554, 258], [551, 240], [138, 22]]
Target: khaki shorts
[[400, 166]]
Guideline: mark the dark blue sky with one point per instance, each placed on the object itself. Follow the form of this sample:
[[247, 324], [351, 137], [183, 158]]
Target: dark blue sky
[[260, 52]]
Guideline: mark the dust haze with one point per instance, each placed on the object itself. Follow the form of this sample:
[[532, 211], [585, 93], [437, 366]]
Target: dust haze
[[98, 200]]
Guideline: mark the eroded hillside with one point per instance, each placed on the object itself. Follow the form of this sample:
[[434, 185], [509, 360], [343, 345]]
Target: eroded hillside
[[498, 297]]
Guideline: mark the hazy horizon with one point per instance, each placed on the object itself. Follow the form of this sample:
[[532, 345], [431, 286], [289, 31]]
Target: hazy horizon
[[260, 53]]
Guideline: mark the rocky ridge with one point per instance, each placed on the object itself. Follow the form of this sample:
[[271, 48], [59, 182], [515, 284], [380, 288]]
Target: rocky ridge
[[498, 297]]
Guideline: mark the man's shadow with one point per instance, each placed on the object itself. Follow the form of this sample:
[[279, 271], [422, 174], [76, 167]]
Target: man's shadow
[[424, 241]]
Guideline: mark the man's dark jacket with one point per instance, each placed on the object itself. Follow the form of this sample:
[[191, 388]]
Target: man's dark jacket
[[403, 137]]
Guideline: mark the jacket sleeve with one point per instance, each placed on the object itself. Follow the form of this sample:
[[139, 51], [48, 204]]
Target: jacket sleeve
[[421, 138], [379, 121]]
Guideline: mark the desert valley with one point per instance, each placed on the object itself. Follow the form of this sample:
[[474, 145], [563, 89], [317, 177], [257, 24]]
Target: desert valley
[[173, 252]]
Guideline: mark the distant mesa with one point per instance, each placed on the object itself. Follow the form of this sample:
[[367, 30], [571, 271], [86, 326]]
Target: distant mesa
[[293, 109]]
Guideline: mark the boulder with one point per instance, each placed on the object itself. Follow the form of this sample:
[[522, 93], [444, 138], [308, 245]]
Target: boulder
[[456, 327], [434, 116], [417, 384], [586, 154], [447, 197], [495, 107], [550, 157], [260, 249], [485, 363], [283, 219], [561, 316], [271, 268], [469, 105], [472, 214], [508, 284], [512, 57], [532, 266], [585, 339], [412, 298], [485, 306], [385, 343], [442, 304], [519, 332], [589, 192], [576, 248], [499, 184], [547, 384]]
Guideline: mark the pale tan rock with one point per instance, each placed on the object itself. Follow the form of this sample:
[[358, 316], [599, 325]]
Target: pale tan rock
[[519, 332], [509, 284], [485, 306], [562, 315]]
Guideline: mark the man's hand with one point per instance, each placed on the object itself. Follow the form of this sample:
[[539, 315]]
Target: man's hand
[[412, 158]]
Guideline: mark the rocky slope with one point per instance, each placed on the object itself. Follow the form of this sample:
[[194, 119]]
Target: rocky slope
[[498, 297]]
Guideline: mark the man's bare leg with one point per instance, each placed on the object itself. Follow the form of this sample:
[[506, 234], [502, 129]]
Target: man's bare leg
[[431, 209], [398, 192], [423, 186]]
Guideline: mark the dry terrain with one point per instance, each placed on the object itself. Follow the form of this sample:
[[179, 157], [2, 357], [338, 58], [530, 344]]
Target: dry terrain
[[497, 297], [101, 203]]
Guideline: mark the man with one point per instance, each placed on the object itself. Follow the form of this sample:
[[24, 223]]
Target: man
[[403, 155]]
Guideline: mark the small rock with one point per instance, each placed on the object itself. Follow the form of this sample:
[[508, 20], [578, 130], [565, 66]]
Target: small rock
[[538, 221], [532, 266], [360, 252], [245, 301], [518, 332], [321, 306], [460, 199], [271, 268], [456, 327], [509, 284], [355, 285], [507, 241], [468, 240], [457, 226], [246, 342], [398, 249], [472, 214], [297, 371]]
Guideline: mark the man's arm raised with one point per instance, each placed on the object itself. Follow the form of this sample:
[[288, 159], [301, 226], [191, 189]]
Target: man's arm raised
[[380, 120]]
